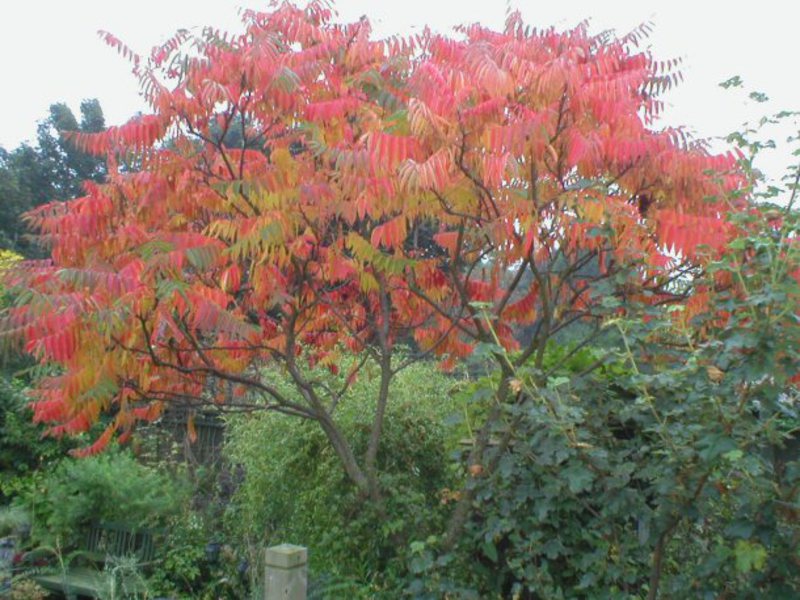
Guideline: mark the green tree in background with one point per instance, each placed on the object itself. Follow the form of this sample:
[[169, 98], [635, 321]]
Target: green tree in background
[[53, 169]]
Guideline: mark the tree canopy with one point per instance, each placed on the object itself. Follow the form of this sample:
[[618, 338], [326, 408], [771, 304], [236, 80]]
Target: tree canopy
[[439, 190]]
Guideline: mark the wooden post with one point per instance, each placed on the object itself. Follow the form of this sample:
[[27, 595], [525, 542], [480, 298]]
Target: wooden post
[[286, 572]]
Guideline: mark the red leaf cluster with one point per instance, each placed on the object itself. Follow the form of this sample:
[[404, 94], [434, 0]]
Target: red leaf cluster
[[302, 188]]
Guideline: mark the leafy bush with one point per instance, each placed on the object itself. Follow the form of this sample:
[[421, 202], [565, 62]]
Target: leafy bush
[[13, 519], [294, 489], [23, 449], [111, 487], [673, 468], [192, 564]]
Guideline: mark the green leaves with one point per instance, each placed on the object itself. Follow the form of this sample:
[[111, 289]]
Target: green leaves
[[287, 461], [750, 556], [712, 446], [203, 258], [578, 477], [682, 426]]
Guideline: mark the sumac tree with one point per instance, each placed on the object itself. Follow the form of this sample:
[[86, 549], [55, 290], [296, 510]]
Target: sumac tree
[[445, 189]]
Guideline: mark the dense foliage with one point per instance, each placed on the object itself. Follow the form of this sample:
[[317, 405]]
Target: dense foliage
[[666, 457], [23, 449], [293, 488], [112, 487], [309, 215]]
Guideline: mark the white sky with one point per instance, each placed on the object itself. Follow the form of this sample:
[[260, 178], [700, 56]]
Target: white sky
[[50, 50]]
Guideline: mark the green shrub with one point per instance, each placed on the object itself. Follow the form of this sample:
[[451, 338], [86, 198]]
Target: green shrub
[[671, 471], [294, 489], [179, 570], [23, 449], [110, 487], [13, 519]]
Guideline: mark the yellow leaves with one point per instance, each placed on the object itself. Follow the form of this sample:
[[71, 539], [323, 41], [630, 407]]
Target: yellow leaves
[[191, 430], [177, 221], [368, 283], [225, 230], [592, 211], [424, 122], [551, 152], [350, 145], [715, 374], [433, 174], [365, 252], [391, 234], [283, 160], [261, 239], [8, 258]]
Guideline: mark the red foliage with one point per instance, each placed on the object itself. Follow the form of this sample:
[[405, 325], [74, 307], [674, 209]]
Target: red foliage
[[207, 260]]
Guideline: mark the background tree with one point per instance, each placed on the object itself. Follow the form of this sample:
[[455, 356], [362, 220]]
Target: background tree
[[54, 169], [16, 199], [67, 166]]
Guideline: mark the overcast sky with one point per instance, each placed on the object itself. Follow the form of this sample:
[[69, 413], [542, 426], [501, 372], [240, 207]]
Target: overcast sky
[[51, 52]]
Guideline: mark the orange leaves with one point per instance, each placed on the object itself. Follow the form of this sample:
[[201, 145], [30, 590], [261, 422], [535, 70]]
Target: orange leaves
[[424, 121], [231, 279], [85, 216], [186, 251], [136, 135], [494, 169], [433, 174], [49, 410], [521, 137], [98, 445], [320, 188], [686, 234], [119, 46], [210, 316], [487, 110], [487, 73], [391, 234], [592, 210], [327, 110], [387, 151], [58, 347], [110, 282], [447, 240], [523, 310], [582, 152]]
